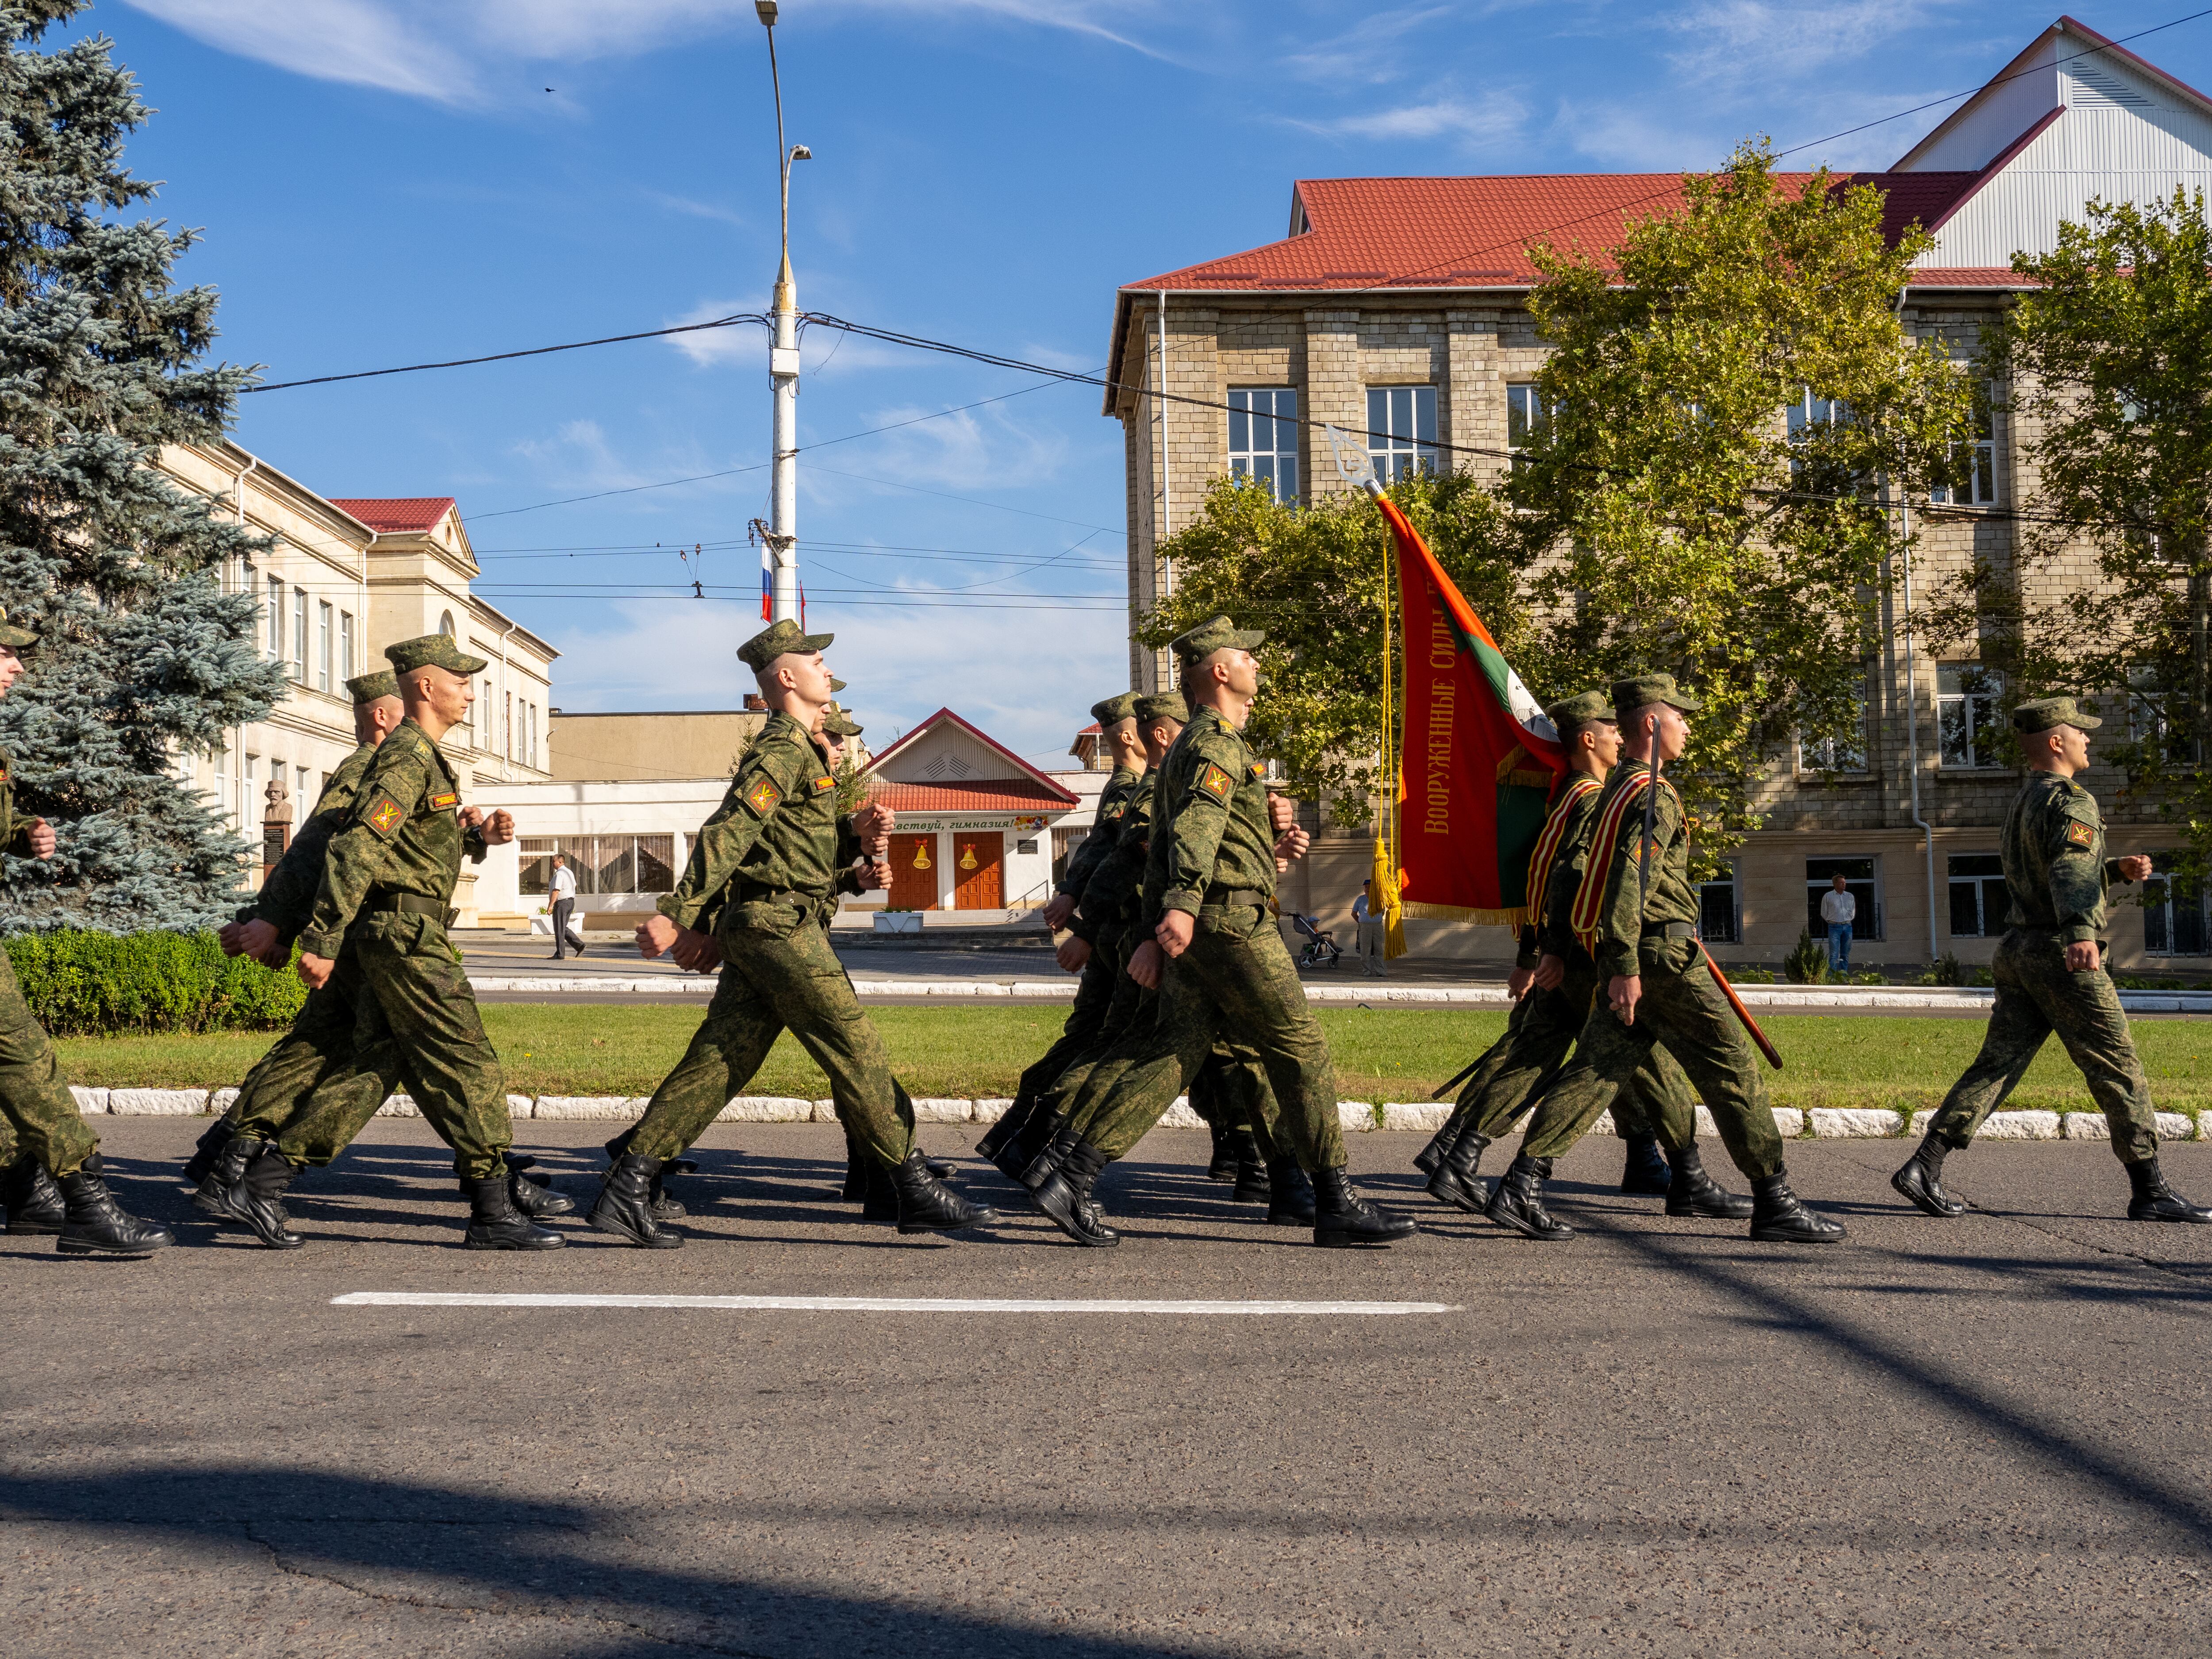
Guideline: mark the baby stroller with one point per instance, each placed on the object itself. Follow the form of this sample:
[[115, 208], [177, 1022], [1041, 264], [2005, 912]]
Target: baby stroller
[[1321, 948]]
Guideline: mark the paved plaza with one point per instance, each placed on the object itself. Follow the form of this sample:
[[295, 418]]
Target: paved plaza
[[1988, 1437]]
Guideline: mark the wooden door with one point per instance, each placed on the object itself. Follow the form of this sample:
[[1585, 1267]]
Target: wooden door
[[978, 857], [913, 871]]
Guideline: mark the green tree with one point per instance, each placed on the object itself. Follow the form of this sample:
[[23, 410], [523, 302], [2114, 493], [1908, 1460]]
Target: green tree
[[1730, 393], [142, 659], [1313, 579], [2109, 366]]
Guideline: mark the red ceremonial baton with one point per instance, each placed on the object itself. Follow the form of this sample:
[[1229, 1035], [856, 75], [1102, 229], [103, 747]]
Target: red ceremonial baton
[[1741, 1012]]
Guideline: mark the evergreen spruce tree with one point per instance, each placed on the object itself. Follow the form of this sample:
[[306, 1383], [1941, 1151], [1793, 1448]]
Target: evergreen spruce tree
[[142, 658]]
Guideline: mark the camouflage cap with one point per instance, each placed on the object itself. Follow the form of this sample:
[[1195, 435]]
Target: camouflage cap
[[432, 650], [2047, 712], [1114, 709], [1643, 690], [368, 687], [18, 639], [780, 640], [1580, 710], [1218, 634], [1162, 705], [836, 685], [836, 723]]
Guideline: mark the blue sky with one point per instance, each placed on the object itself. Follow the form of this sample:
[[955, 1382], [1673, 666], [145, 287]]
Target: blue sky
[[392, 181]]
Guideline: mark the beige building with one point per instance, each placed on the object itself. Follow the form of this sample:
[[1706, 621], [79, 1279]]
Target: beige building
[[340, 580], [1398, 307], [705, 744]]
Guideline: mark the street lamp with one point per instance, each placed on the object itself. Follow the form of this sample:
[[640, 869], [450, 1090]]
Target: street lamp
[[783, 367]]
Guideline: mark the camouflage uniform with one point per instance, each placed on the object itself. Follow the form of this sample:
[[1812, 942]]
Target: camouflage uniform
[[2056, 874], [770, 856], [38, 1114], [381, 914]]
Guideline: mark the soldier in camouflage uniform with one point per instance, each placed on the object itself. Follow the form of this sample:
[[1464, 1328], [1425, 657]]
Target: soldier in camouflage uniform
[[1096, 949], [771, 858], [2050, 974], [376, 936], [51, 1176], [1215, 842], [1556, 982], [1641, 927]]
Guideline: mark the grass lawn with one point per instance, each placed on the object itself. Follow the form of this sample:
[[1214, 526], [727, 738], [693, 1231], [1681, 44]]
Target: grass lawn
[[620, 1049]]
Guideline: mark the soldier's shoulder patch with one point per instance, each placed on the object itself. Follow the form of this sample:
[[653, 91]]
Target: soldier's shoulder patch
[[1112, 810], [1256, 771], [2079, 834], [762, 796], [441, 802], [1216, 782], [386, 815]]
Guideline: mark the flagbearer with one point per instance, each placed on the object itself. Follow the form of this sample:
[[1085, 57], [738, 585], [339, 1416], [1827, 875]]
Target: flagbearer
[[1637, 913], [2050, 974], [1559, 982]]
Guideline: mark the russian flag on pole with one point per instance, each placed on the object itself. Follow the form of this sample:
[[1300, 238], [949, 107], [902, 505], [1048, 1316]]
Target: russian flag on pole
[[768, 585], [1479, 760]]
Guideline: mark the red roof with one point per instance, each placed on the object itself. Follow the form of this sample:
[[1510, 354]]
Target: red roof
[[1029, 777], [985, 795], [396, 514]]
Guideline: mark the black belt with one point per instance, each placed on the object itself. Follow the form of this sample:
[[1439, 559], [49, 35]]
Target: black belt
[[1670, 930], [411, 904], [1251, 896], [755, 893]]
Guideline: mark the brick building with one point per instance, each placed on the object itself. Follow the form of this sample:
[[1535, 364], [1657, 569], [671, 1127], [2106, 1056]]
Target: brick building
[[1398, 307]]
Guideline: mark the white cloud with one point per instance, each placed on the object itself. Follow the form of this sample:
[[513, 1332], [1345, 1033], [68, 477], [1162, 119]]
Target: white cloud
[[1747, 44], [744, 345], [1374, 51], [1472, 123], [364, 42], [964, 450], [579, 454]]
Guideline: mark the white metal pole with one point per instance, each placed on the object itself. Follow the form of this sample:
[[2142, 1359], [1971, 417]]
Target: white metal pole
[[783, 371]]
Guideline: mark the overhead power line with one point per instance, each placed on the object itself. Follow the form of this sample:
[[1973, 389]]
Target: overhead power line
[[508, 356]]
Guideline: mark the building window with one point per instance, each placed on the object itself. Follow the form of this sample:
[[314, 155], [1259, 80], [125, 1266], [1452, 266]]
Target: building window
[[276, 619], [1811, 412], [1966, 714], [445, 624], [324, 645], [1978, 900], [1720, 908], [1263, 438], [2175, 918], [300, 635], [1859, 882], [223, 779], [1844, 753], [1402, 430], [1979, 460], [1525, 417], [602, 864], [345, 645]]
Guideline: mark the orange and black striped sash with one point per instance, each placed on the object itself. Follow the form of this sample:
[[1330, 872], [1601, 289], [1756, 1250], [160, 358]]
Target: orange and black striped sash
[[1589, 897], [1579, 787]]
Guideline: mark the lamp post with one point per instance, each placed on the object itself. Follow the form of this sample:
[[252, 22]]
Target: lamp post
[[783, 367]]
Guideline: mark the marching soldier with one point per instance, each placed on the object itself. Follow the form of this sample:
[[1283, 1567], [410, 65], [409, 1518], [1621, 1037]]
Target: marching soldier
[[1562, 984], [2050, 974], [51, 1180], [1096, 949], [376, 934], [1215, 839], [770, 858], [1636, 911]]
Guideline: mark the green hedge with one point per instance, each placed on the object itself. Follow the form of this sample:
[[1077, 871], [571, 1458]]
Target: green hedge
[[87, 984]]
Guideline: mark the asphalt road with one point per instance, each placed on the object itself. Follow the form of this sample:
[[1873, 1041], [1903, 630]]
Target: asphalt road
[[1986, 1437]]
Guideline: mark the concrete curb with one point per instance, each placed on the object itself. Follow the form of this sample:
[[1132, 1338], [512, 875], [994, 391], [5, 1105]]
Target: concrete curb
[[1356, 1116]]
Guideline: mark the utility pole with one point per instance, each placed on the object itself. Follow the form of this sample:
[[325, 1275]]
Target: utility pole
[[783, 369]]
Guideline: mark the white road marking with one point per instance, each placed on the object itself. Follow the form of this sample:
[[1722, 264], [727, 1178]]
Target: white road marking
[[929, 1305]]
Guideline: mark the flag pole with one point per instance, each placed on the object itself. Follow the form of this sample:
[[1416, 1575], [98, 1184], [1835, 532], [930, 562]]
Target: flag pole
[[1359, 472]]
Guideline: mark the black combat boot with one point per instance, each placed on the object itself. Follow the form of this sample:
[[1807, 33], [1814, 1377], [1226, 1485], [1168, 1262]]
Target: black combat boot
[[256, 1198], [1430, 1158], [2155, 1200], [1778, 1216], [218, 1135], [1921, 1180], [1646, 1173], [927, 1205], [1693, 1193], [1013, 1140], [93, 1224], [1065, 1198], [34, 1203], [1341, 1217], [1222, 1165], [1254, 1185], [858, 1162], [625, 1204], [534, 1194], [1046, 1164], [494, 1222], [1456, 1182], [1290, 1194], [667, 1207], [1011, 1123], [1517, 1200], [224, 1176]]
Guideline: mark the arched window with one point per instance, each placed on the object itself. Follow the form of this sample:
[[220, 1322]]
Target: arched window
[[446, 625]]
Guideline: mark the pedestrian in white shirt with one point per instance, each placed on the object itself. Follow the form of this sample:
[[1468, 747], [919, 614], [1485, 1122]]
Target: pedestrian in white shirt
[[1370, 927], [561, 890], [1839, 910]]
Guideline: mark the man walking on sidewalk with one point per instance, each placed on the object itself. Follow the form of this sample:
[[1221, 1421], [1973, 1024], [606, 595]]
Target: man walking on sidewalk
[[1371, 928], [1839, 910], [561, 890]]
